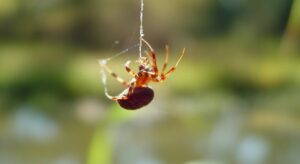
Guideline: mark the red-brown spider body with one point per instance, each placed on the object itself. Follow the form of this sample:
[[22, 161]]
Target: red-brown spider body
[[138, 94]]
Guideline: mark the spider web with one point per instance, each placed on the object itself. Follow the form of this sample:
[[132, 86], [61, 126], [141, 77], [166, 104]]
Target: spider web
[[140, 44], [141, 27]]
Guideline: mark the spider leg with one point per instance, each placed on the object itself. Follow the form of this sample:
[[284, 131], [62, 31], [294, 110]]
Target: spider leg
[[154, 64], [129, 70], [121, 96], [104, 67], [111, 97], [163, 76], [149, 57], [130, 90], [166, 61], [119, 79]]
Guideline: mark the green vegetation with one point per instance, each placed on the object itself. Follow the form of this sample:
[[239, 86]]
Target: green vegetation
[[233, 99]]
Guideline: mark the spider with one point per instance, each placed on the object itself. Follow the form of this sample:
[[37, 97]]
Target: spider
[[138, 93]]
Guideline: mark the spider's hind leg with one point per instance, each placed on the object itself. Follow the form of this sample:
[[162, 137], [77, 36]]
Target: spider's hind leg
[[119, 79], [129, 70]]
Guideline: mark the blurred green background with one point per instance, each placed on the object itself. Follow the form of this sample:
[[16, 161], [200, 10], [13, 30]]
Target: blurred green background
[[233, 99]]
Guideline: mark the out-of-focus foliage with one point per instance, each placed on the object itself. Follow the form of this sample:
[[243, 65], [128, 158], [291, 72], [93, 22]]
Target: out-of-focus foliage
[[233, 99]]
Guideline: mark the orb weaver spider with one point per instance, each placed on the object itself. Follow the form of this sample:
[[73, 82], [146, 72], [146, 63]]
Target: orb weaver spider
[[138, 93]]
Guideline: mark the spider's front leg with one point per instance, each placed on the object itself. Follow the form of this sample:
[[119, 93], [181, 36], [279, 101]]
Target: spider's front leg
[[154, 64], [163, 75], [166, 60]]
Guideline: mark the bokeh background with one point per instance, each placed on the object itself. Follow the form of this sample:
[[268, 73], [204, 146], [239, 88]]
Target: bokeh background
[[233, 99]]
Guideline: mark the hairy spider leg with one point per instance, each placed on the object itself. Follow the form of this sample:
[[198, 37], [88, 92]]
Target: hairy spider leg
[[163, 76], [154, 64], [129, 70], [166, 61], [149, 57], [119, 79]]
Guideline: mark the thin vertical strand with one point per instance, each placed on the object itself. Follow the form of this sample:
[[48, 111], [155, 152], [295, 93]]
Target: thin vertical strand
[[103, 75], [104, 79], [141, 27]]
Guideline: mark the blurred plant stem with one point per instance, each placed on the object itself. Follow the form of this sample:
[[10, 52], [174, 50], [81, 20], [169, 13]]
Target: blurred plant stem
[[101, 147], [291, 39]]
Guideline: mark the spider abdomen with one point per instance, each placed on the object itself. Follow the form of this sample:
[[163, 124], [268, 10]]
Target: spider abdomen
[[141, 96]]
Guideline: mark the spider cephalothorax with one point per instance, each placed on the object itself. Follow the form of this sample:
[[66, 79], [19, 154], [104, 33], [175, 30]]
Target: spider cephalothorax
[[138, 93]]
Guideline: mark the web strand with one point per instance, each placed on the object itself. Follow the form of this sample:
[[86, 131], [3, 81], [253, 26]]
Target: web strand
[[141, 28], [122, 52]]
